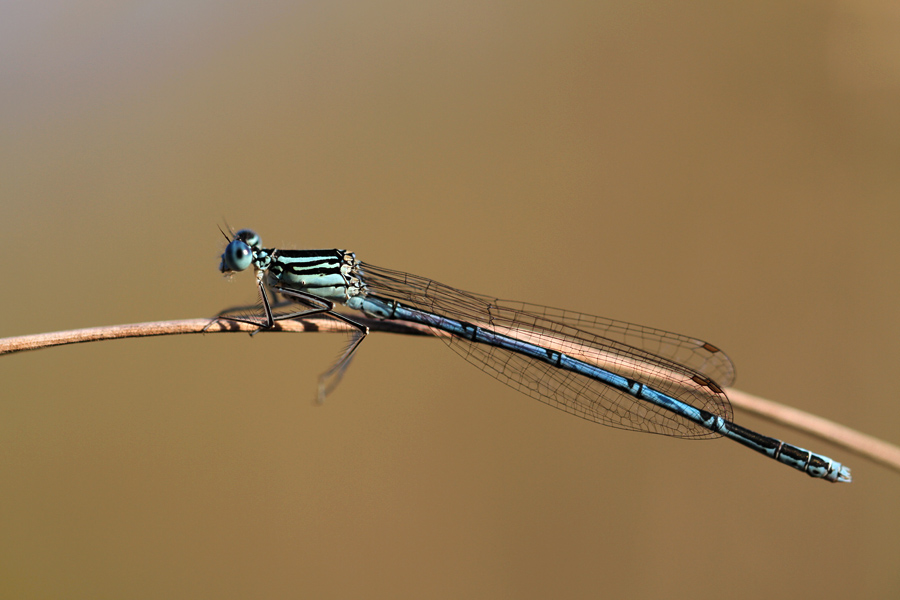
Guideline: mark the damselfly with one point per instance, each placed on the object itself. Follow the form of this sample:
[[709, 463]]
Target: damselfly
[[610, 372]]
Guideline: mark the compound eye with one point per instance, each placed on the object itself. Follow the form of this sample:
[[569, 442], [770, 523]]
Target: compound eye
[[237, 256], [249, 237]]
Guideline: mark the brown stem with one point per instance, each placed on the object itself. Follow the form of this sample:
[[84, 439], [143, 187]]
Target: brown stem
[[854, 441]]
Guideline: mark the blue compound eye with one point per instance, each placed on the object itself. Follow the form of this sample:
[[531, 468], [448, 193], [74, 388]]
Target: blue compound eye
[[237, 256]]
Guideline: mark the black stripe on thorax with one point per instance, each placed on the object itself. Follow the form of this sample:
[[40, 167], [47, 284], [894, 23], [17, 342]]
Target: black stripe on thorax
[[309, 262]]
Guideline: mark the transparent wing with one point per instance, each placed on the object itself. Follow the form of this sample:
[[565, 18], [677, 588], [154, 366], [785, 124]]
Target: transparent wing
[[579, 336], [693, 353], [587, 398]]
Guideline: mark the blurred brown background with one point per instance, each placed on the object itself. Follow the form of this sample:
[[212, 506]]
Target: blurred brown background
[[725, 170]]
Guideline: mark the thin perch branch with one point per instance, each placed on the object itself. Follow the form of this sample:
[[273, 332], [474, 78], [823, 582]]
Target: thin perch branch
[[853, 441], [184, 326]]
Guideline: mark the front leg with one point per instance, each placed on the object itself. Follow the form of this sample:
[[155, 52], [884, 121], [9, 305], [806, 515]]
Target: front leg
[[272, 312]]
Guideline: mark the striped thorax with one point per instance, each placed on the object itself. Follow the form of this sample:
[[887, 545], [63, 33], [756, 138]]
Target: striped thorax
[[333, 275]]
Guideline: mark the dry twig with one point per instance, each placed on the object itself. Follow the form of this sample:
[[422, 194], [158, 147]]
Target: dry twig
[[853, 441]]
